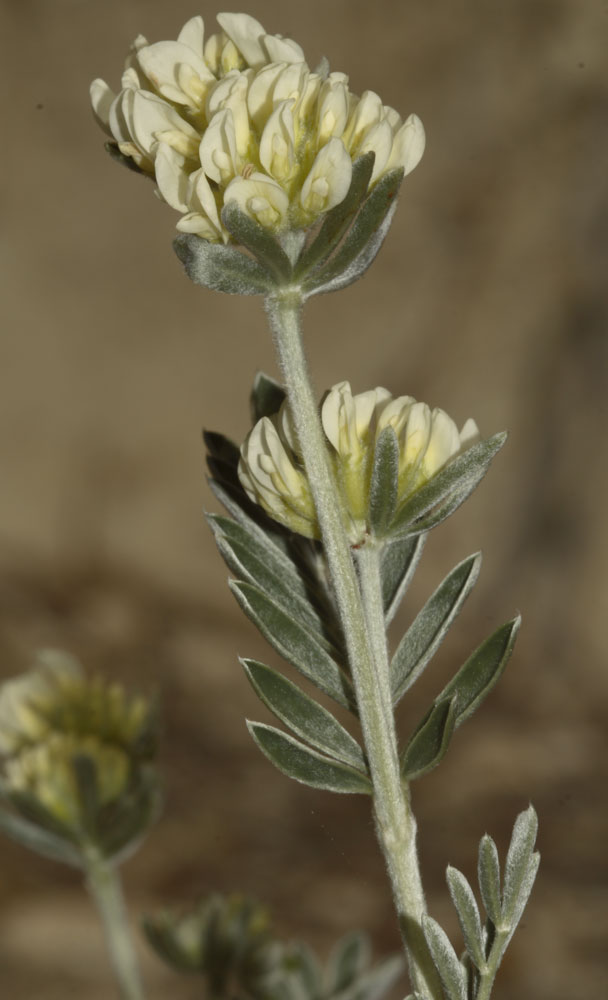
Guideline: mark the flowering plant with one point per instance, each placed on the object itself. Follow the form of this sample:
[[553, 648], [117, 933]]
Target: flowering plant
[[286, 184]]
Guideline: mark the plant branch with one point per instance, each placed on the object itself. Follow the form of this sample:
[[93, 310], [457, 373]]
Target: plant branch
[[365, 639], [104, 884]]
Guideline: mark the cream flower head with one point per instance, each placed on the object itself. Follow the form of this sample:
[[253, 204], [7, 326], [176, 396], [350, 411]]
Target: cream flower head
[[59, 729], [272, 474], [240, 117]]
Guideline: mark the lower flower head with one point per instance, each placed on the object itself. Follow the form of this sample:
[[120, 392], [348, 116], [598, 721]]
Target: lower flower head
[[272, 473]]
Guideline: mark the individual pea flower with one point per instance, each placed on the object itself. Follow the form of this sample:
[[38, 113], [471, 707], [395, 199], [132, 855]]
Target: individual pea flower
[[272, 476], [239, 118], [427, 441], [77, 758]]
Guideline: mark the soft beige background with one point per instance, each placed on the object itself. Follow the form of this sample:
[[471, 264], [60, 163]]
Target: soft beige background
[[488, 299]]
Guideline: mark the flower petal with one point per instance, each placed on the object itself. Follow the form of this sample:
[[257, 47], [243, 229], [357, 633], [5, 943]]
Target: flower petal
[[161, 61], [261, 198], [247, 34], [102, 99], [193, 35], [329, 179], [277, 143], [217, 150], [282, 49], [171, 178], [408, 145]]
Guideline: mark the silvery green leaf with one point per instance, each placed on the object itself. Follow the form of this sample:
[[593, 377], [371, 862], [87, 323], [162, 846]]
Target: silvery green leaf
[[398, 563], [37, 839], [259, 241], [346, 269], [520, 867], [267, 395], [221, 268], [374, 984], [468, 916], [427, 631], [294, 642], [338, 219], [430, 742], [257, 560], [479, 674], [445, 960], [383, 486], [347, 960], [304, 716], [305, 765], [488, 873], [447, 490]]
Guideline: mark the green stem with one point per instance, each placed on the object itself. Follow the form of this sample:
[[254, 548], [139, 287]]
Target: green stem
[[486, 978], [103, 882], [363, 625]]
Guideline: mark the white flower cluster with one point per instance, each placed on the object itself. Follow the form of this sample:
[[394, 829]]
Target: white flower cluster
[[241, 118], [272, 474]]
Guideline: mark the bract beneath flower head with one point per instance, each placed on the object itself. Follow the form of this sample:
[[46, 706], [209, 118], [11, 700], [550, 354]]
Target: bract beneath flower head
[[241, 103]]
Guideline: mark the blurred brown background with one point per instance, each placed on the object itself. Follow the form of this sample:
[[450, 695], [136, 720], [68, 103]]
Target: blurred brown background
[[487, 299]]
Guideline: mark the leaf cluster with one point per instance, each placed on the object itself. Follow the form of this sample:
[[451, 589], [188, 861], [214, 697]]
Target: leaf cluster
[[281, 584], [471, 977]]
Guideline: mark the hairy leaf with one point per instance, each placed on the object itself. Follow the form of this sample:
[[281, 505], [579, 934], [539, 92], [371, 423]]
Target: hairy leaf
[[346, 268], [447, 490], [468, 916], [303, 764], [294, 642], [304, 716], [479, 674], [429, 744], [488, 873], [259, 561], [398, 564], [338, 219], [383, 487], [430, 626], [259, 241], [445, 960], [221, 268], [520, 868]]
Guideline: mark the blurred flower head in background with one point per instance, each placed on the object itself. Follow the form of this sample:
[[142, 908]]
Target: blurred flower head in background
[[272, 473], [240, 117], [77, 754]]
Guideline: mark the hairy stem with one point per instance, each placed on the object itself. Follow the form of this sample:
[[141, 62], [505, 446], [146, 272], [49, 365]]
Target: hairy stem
[[486, 978], [363, 624], [103, 882]]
